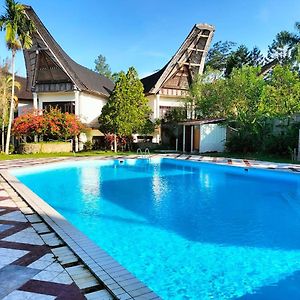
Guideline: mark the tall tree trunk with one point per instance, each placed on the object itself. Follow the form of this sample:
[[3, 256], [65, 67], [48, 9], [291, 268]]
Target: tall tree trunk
[[3, 120], [11, 111], [3, 137], [115, 143]]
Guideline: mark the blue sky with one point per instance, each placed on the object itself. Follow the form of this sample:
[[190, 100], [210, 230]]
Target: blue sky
[[145, 34]]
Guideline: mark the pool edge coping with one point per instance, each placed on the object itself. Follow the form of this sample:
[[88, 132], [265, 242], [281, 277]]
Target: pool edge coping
[[117, 279]]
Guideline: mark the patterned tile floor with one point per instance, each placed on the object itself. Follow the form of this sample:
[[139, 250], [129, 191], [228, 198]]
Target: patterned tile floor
[[36, 264]]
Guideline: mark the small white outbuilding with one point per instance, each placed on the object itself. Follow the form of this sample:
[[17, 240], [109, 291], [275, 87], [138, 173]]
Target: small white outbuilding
[[202, 136]]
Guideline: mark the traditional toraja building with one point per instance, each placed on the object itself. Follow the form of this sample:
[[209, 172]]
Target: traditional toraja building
[[167, 87], [57, 80]]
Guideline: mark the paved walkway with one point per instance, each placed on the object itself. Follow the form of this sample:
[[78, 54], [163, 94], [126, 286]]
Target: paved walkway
[[16, 163]]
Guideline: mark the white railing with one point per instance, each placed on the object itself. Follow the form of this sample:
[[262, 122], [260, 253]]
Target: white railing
[[146, 153], [139, 152]]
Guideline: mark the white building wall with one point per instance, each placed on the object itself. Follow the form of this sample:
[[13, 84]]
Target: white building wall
[[56, 97], [152, 105], [171, 101], [24, 106], [212, 138], [157, 101], [90, 108]]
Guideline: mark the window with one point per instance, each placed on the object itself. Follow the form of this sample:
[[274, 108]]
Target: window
[[163, 110], [63, 106]]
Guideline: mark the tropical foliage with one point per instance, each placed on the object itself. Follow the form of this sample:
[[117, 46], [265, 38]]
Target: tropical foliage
[[111, 139], [103, 68], [175, 115], [252, 106], [5, 95], [18, 36], [242, 56], [285, 47], [260, 111], [281, 95], [218, 55], [225, 56], [127, 110]]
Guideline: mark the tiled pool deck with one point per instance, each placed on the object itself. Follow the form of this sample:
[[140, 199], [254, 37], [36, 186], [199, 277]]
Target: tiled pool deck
[[34, 262], [42, 256]]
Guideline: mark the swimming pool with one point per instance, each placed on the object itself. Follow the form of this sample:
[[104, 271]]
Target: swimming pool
[[188, 230]]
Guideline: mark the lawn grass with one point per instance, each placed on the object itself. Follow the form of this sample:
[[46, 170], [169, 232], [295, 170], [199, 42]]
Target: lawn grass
[[66, 154]]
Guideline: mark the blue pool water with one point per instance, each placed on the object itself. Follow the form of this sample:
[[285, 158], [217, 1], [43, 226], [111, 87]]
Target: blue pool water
[[187, 230]]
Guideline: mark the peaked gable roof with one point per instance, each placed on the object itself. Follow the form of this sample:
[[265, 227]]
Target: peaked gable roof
[[81, 77], [191, 53], [23, 93]]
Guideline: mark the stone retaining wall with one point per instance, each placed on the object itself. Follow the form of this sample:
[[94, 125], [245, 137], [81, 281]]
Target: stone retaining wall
[[55, 147]]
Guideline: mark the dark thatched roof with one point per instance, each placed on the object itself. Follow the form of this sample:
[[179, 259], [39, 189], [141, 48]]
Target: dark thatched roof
[[151, 80], [23, 93], [83, 78], [202, 121]]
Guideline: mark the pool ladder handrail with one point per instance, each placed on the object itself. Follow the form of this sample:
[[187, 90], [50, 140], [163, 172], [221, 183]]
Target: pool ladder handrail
[[139, 151], [143, 155]]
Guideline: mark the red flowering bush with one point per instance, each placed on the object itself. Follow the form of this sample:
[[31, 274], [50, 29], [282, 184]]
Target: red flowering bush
[[72, 125], [30, 124], [53, 124], [121, 141]]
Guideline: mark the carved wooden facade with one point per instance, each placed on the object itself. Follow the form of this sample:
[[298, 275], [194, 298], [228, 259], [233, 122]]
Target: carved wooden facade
[[175, 78]]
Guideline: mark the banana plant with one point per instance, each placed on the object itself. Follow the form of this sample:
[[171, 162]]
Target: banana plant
[[6, 82]]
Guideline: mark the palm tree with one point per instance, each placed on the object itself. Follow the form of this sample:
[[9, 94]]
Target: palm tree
[[5, 96], [18, 28]]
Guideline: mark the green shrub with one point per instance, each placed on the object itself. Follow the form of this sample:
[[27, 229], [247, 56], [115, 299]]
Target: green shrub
[[88, 146], [279, 144], [264, 140], [242, 142], [11, 148]]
